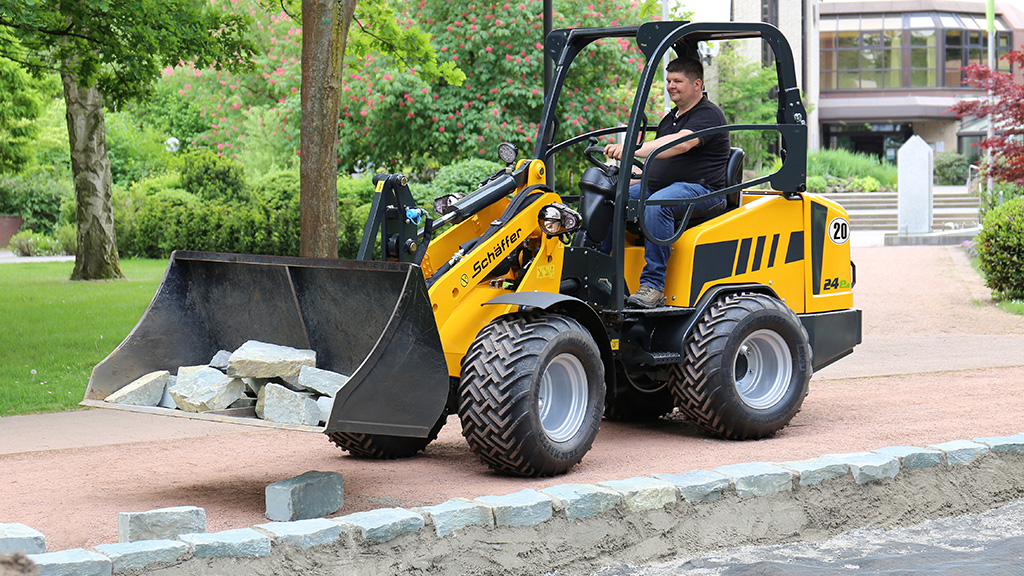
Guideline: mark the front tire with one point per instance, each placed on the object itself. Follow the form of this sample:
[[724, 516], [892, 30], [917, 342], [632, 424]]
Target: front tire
[[532, 394], [382, 447], [747, 368]]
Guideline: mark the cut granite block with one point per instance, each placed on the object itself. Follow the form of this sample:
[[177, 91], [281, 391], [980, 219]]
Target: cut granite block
[[74, 562], [160, 524], [189, 371], [523, 508], [384, 524], [912, 456], [758, 478], [816, 470], [583, 500], [455, 514], [1013, 444], [254, 385], [141, 555], [308, 495], [256, 359], [640, 494], [166, 400], [239, 543], [146, 390], [961, 452], [20, 538], [868, 466], [220, 360], [206, 389], [279, 404], [320, 381], [304, 533], [326, 405], [697, 485]]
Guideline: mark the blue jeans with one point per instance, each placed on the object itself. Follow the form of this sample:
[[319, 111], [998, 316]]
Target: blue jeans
[[661, 224]]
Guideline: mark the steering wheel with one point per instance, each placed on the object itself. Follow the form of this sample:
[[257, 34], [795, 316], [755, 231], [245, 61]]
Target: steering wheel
[[609, 170]]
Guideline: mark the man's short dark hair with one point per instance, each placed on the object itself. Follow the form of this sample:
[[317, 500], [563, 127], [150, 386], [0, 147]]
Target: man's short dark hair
[[689, 67]]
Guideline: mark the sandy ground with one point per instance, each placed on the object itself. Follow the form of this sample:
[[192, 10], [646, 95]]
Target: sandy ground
[[939, 362]]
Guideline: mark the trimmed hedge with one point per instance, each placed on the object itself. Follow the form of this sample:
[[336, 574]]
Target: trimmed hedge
[[1000, 248]]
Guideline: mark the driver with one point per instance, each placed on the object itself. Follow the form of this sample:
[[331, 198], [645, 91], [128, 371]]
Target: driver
[[688, 170]]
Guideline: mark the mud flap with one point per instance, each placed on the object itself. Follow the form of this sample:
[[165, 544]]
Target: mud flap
[[370, 320]]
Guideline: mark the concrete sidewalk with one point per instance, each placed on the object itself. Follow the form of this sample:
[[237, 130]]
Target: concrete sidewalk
[[8, 257]]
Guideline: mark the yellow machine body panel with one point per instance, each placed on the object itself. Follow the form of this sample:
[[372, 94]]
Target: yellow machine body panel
[[827, 256]]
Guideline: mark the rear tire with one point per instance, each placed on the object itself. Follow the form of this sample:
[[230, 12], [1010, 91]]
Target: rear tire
[[532, 394], [747, 368], [381, 447]]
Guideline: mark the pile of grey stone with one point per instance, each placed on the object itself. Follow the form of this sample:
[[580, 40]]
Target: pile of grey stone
[[281, 383]]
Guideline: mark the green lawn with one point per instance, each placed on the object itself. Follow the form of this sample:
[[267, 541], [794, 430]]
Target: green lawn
[[53, 331]]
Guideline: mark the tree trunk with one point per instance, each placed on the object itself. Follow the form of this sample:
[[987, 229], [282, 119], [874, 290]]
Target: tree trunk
[[324, 32], [96, 257]]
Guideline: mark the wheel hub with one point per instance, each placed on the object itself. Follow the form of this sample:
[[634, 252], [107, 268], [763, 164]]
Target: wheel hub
[[562, 397], [762, 369]]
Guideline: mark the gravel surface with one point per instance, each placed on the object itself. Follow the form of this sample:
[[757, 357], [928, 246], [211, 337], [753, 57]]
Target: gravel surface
[[939, 362]]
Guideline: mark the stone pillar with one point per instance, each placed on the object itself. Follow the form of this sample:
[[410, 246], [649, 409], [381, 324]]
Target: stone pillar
[[915, 162]]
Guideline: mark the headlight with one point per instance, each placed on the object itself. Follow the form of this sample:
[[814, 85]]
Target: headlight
[[557, 219], [508, 153], [443, 204]]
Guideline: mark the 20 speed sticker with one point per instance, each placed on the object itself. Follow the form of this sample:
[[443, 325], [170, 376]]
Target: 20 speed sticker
[[839, 231]]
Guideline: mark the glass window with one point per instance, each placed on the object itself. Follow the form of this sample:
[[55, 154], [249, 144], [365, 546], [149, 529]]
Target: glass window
[[922, 78], [828, 40], [848, 59], [921, 21], [848, 80], [872, 59], [828, 81], [827, 24], [871, 80], [871, 23], [849, 39], [848, 23], [828, 61]]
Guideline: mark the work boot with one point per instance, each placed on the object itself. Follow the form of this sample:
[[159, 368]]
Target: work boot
[[646, 297]]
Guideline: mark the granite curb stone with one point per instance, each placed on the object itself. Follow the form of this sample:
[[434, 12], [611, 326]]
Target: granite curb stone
[[644, 493], [961, 452], [240, 542], [384, 524], [73, 562], [160, 524], [456, 513], [912, 456], [309, 495], [524, 508], [582, 500], [869, 466], [1014, 444], [304, 533], [698, 485], [758, 478], [20, 538], [140, 555], [816, 470]]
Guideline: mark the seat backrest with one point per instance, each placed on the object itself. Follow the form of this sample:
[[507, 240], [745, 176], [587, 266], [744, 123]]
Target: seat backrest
[[734, 175]]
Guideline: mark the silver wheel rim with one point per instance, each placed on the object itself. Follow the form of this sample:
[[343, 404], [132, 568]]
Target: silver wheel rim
[[762, 369], [562, 399]]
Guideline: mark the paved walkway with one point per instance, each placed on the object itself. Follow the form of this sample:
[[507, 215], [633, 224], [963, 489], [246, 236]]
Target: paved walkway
[[7, 257]]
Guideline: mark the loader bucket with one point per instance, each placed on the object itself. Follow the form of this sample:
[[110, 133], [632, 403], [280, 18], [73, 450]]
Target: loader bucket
[[370, 320]]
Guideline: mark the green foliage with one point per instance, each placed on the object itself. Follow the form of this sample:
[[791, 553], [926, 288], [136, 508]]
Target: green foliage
[[135, 150], [1002, 192], [29, 243], [463, 176], [36, 198], [22, 106], [1000, 248], [816, 184], [211, 177], [743, 94], [951, 169], [841, 168], [55, 331]]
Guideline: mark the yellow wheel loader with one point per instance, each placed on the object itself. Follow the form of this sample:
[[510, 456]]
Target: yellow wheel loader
[[503, 309]]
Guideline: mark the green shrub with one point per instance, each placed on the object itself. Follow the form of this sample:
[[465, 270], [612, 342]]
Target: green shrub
[[212, 177], [36, 196], [1000, 248], [1002, 192], [67, 237], [135, 151], [865, 184], [816, 184], [951, 169], [842, 164], [463, 176], [29, 243]]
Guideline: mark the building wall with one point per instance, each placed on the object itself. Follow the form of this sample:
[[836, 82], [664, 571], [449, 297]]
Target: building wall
[[939, 134]]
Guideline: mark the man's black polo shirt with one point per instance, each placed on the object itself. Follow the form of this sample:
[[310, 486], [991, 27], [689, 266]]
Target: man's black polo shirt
[[705, 163]]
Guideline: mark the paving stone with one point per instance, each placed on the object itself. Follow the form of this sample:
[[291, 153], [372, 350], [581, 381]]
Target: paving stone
[[20, 538], [583, 500], [869, 466], [255, 384], [206, 389], [304, 533], [146, 390], [189, 371], [160, 524], [326, 405], [912, 456], [220, 360], [310, 495], [141, 555], [457, 513], [758, 478], [961, 452], [242, 542], [1014, 444], [639, 494], [279, 404], [816, 470], [256, 359], [74, 562], [166, 400], [523, 508], [697, 485], [320, 381], [384, 524]]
